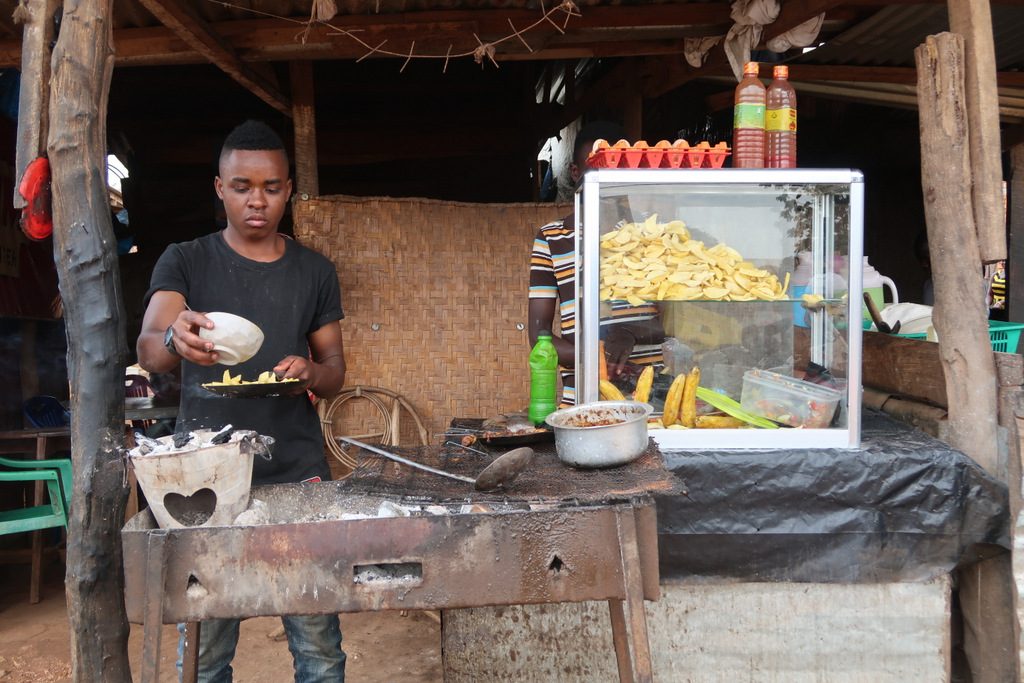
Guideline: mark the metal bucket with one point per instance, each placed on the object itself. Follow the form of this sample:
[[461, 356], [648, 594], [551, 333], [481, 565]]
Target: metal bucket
[[582, 441], [206, 486]]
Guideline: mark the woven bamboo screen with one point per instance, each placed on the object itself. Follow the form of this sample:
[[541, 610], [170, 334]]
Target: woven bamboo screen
[[433, 294]]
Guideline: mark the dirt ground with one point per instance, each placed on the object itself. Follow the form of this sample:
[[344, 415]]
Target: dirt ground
[[382, 647]]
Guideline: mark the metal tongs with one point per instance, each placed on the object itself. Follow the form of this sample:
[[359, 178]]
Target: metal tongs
[[498, 474], [876, 317]]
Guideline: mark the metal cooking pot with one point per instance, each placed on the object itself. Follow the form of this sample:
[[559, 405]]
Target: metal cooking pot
[[582, 441]]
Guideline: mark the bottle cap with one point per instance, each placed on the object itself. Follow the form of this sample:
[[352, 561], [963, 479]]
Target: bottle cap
[[750, 69], [781, 71]]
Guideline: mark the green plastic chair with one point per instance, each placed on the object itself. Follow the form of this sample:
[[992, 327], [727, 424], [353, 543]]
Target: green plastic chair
[[52, 514], [61, 465], [56, 475]]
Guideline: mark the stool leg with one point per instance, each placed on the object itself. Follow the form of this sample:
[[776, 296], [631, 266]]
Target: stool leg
[[635, 615], [190, 657], [37, 536], [153, 610], [620, 639]]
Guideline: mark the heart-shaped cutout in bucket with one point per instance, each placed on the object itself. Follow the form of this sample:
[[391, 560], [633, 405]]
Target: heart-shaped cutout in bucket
[[193, 510]]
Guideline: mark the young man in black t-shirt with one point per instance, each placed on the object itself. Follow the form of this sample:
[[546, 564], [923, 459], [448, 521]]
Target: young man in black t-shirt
[[292, 294]]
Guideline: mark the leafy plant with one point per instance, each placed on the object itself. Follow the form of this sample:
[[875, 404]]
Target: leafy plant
[[798, 206]]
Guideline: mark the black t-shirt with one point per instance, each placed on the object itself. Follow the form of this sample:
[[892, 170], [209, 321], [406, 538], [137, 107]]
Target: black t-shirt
[[288, 299]]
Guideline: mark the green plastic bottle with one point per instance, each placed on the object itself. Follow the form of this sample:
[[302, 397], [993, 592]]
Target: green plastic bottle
[[543, 378]]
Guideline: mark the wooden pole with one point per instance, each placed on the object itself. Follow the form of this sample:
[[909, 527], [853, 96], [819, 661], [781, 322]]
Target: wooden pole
[[961, 320], [34, 96], [972, 19], [307, 177], [84, 249]]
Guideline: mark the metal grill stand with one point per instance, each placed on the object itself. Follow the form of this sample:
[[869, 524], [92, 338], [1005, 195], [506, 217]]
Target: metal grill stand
[[308, 560]]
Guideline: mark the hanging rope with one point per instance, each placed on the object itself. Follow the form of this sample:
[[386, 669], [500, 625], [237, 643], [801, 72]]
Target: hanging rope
[[323, 10]]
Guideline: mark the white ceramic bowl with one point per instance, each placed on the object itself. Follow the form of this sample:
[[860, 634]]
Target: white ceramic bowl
[[234, 338]]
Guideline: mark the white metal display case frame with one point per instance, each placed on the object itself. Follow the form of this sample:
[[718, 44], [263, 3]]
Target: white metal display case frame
[[588, 252]]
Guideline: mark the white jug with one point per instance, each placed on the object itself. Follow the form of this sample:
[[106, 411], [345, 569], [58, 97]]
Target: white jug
[[873, 283]]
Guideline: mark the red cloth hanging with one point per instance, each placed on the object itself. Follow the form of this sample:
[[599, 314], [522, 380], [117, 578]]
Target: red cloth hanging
[[36, 217]]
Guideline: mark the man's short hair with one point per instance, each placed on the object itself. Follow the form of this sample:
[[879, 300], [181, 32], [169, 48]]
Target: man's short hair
[[593, 131], [253, 136]]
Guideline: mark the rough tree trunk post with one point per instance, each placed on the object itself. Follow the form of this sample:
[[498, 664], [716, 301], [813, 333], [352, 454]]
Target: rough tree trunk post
[[972, 19], [84, 250], [307, 176], [961, 321]]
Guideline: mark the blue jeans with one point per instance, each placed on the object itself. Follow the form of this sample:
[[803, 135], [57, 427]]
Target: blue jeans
[[314, 641]]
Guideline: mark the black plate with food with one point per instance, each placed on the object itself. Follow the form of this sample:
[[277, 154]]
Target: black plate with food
[[513, 429], [285, 387]]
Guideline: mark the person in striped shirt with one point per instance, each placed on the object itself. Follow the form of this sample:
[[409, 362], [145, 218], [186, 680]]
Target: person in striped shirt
[[632, 335]]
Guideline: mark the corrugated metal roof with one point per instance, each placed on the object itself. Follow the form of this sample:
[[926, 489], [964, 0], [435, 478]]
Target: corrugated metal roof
[[888, 38]]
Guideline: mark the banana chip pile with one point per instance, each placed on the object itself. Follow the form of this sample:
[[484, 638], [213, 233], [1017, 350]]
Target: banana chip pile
[[267, 377], [654, 261]]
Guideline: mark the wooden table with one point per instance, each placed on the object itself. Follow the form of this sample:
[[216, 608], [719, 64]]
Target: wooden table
[[24, 441]]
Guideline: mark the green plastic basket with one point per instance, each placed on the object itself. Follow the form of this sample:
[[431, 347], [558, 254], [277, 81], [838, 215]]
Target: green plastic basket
[[1003, 336]]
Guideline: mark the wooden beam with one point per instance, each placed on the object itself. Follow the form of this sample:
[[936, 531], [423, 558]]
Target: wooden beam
[[201, 37], [973, 20], [885, 3], [86, 258], [307, 178], [912, 368], [809, 75], [880, 74], [278, 40], [34, 91], [159, 47]]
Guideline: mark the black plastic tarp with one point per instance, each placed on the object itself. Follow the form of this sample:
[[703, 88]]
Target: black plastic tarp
[[903, 507]]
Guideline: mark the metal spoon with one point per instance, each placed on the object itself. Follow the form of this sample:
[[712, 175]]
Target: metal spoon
[[501, 472]]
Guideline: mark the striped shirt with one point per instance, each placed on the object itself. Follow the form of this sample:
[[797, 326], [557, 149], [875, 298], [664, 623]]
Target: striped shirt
[[553, 276]]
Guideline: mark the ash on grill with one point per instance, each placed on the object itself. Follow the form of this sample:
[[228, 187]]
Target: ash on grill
[[183, 442], [333, 501]]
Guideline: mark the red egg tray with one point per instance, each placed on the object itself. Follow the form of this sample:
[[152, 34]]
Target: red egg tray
[[658, 157]]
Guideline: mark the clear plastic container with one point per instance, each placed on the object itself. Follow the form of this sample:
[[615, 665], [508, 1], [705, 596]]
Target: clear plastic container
[[788, 400]]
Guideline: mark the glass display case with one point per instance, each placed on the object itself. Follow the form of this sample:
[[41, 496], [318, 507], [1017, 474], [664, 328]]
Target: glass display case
[[738, 280]]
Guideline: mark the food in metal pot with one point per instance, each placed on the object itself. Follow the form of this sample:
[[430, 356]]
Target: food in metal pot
[[600, 434], [592, 420]]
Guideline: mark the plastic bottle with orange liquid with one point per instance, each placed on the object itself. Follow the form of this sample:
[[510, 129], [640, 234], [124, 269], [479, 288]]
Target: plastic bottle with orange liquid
[[780, 121], [748, 120]]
